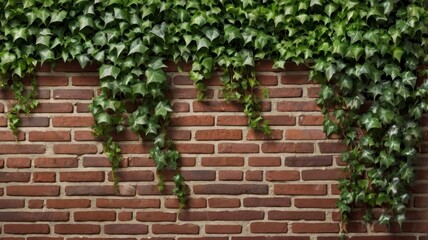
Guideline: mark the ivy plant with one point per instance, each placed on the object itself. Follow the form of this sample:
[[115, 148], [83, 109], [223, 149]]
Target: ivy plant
[[367, 55]]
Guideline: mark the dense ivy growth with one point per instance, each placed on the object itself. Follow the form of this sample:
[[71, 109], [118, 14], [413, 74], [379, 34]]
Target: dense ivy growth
[[365, 54]]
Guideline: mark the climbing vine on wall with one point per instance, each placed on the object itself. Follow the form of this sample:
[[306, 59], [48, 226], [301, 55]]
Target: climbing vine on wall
[[367, 55]]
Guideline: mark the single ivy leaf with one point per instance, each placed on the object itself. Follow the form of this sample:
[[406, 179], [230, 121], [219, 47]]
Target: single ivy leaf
[[330, 9], [392, 70], [109, 71], [46, 54], [212, 33], [203, 43], [231, 32], [58, 16], [409, 79], [156, 63], [155, 76], [162, 109], [369, 121], [160, 30]]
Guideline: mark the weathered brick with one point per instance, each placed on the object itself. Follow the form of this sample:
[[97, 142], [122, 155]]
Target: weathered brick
[[195, 148], [282, 175], [129, 229], [53, 108], [222, 161], [56, 162], [18, 162], [85, 81], [49, 136], [11, 203], [68, 203], [175, 229], [230, 175], [231, 189], [157, 216], [224, 203], [268, 227], [22, 148], [304, 134], [33, 190], [267, 202], [127, 203], [315, 228], [310, 161], [294, 79], [315, 202], [300, 189], [34, 216], [75, 149], [90, 190], [297, 106], [218, 134], [44, 177], [304, 147], [87, 176], [68, 121], [26, 228], [77, 229], [52, 81], [328, 174], [223, 229], [15, 177], [296, 215], [84, 216], [238, 148]]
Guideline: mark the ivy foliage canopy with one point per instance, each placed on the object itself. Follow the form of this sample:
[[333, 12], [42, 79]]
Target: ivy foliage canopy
[[365, 54]]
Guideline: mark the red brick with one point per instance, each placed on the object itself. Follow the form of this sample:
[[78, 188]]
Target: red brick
[[175, 229], [253, 175], [82, 107], [311, 161], [315, 227], [224, 203], [92, 190], [222, 161], [68, 203], [124, 216], [180, 107], [18, 163], [22, 148], [133, 176], [267, 80], [3, 122], [8, 136], [195, 148], [138, 148], [231, 189], [102, 162], [156, 216], [216, 106], [300, 189], [77, 229], [53, 108], [296, 215], [329, 174], [264, 161], [232, 121], [87, 176], [297, 106], [83, 216], [153, 189], [49, 136], [223, 229], [83, 135], [34, 122], [182, 80], [75, 149], [11, 203], [282, 175], [271, 238], [421, 202], [72, 121], [305, 147], [33, 190], [15, 177], [267, 202], [295, 79], [268, 227], [230, 175], [127, 203], [218, 134], [315, 203], [180, 135], [332, 147], [85, 81], [235, 215], [35, 203], [44, 177], [257, 135], [238, 148], [131, 229], [313, 92], [52, 81], [177, 67], [34, 216], [286, 92], [304, 134], [59, 162], [26, 228], [311, 120]]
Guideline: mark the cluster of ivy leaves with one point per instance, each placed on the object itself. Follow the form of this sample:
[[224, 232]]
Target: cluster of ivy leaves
[[367, 56]]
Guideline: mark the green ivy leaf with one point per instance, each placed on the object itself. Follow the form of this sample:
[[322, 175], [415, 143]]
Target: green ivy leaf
[[109, 71], [155, 76], [162, 109]]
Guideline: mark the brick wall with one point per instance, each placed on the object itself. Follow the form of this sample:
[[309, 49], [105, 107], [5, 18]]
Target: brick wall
[[55, 181]]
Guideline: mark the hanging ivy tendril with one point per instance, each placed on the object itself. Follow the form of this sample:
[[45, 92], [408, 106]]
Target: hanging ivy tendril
[[367, 55]]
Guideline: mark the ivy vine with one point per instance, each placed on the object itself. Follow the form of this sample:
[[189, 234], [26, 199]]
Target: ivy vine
[[367, 56]]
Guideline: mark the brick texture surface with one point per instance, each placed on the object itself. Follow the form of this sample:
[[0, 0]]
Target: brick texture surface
[[55, 182]]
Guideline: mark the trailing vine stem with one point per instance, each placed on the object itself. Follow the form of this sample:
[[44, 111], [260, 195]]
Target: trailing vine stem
[[366, 56]]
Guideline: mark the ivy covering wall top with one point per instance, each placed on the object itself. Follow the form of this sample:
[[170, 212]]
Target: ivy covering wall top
[[367, 55]]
